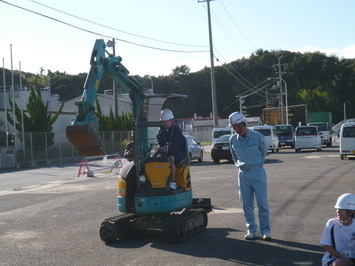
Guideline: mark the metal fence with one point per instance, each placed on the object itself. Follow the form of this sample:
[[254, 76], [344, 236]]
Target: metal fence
[[201, 136], [34, 146], [46, 148], [47, 145]]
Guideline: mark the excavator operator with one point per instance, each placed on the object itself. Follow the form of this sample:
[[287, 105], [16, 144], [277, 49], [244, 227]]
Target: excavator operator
[[171, 142]]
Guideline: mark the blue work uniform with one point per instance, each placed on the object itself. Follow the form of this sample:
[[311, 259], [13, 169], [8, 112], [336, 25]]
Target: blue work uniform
[[174, 140], [249, 155]]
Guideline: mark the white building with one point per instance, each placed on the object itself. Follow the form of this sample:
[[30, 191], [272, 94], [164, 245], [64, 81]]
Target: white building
[[69, 109]]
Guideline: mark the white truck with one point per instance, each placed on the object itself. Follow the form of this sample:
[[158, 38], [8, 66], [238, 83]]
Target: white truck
[[324, 132]]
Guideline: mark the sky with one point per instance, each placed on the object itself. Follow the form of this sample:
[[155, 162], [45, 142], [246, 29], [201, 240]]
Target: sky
[[153, 37]]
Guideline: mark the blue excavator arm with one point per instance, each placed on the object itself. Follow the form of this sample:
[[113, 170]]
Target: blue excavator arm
[[83, 131]]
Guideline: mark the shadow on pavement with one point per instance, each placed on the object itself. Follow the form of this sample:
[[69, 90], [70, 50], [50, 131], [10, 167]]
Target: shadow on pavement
[[215, 243], [267, 161]]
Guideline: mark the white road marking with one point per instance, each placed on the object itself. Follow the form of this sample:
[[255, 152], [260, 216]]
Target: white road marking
[[226, 210]]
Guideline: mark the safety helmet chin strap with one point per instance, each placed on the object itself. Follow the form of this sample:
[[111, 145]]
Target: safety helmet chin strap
[[347, 219]]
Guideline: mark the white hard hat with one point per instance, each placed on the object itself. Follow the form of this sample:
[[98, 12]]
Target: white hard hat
[[236, 118], [166, 114], [346, 202]]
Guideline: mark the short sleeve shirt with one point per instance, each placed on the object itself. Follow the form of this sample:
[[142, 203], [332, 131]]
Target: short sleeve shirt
[[344, 238]]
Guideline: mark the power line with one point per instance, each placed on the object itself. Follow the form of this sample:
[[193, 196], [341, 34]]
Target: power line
[[250, 87], [242, 76], [102, 35], [111, 28], [234, 76], [228, 107], [236, 24], [224, 66], [228, 34]]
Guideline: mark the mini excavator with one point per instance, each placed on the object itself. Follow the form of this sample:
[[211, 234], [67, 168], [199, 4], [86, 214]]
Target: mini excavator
[[144, 198]]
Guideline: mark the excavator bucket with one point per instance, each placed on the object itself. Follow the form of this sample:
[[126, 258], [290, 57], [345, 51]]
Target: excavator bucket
[[85, 140]]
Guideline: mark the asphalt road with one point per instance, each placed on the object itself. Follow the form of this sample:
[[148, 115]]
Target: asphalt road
[[49, 216]]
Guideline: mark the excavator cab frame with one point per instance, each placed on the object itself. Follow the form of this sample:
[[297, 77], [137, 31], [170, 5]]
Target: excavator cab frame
[[148, 173], [147, 124]]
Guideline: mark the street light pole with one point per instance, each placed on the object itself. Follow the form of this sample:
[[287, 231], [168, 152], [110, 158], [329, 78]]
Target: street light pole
[[13, 101], [22, 121]]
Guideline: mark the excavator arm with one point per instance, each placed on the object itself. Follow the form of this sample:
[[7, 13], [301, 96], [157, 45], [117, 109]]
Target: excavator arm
[[83, 131]]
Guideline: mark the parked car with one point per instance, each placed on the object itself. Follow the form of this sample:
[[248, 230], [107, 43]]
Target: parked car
[[220, 131], [286, 134], [220, 149], [195, 149], [347, 140], [271, 139], [307, 137]]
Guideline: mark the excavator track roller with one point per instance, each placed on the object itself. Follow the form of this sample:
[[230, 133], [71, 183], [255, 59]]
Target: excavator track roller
[[182, 227]]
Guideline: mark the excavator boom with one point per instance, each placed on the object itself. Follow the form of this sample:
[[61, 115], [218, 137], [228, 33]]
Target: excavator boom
[[83, 131]]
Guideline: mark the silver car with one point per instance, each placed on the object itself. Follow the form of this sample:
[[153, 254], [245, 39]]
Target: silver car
[[195, 149]]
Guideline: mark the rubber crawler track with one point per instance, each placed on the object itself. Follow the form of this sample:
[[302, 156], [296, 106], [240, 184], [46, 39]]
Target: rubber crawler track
[[115, 228], [180, 227]]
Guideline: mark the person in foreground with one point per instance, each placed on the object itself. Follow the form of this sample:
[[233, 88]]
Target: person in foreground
[[249, 149], [171, 141], [338, 236]]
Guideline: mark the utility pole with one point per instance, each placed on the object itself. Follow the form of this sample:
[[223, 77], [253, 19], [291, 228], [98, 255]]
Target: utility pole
[[213, 80], [280, 73], [241, 101], [281, 94]]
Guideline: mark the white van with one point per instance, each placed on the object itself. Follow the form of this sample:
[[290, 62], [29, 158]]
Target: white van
[[271, 139], [307, 137], [220, 131], [347, 140]]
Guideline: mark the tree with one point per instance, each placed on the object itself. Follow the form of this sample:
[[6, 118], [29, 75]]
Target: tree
[[313, 78], [67, 86], [181, 70], [122, 122], [37, 120]]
